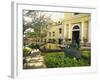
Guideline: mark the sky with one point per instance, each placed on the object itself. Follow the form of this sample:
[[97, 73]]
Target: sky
[[55, 16]]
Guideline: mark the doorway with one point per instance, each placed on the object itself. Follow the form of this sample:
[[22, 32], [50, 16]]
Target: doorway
[[76, 34]]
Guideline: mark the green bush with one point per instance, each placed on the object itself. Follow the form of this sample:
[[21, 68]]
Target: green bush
[[53, 60], [31, 46], [86, 54], [26, 51], [86, 49], [34, 46]]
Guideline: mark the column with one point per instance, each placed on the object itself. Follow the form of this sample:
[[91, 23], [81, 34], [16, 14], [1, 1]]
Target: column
[[70, 31], [65, 31], [82, 30]]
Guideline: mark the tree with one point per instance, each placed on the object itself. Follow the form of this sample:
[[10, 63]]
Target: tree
[[36, 20]]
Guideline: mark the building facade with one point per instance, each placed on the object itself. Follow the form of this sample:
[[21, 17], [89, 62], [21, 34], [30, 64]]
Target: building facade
[[76, 26], [55, 33]]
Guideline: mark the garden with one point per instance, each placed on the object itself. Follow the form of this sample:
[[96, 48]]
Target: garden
[[44, 48], [58, 59], [54, 59]]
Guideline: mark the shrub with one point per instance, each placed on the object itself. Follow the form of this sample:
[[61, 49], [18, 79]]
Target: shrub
[[86, 54], [85, 49], [31, 46], [53, 60], [34, 46], [26, 51]]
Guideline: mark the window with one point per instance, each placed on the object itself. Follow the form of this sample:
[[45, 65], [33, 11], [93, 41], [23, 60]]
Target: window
[[76, 13], [49, 41], [53, 33], [49, 46], [76, 27], [60, 30], [49, 33], [54, 40]]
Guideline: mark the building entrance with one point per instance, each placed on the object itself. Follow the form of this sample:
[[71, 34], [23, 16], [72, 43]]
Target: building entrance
[[76, 34]]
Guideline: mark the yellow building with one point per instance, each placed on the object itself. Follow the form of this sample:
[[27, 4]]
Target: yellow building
[[76, 26], [55, 33]]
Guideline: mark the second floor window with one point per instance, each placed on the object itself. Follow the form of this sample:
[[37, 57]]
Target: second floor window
[[53, 33], [60, 30], [49, 33]]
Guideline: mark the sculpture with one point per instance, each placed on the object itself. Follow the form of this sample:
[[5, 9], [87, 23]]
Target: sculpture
[[73, 50]]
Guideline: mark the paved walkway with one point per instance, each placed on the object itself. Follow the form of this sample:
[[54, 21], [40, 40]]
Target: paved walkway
[[33, 62]]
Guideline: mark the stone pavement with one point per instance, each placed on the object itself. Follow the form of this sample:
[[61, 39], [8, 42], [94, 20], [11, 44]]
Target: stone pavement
[[33, 62]]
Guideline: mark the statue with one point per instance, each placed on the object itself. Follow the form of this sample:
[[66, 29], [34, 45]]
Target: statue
[[73, 50]]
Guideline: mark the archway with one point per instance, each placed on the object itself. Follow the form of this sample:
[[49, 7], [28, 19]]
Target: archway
[[76, 34]]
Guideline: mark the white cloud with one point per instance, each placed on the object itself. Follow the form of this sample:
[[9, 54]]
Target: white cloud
[[55, 16]]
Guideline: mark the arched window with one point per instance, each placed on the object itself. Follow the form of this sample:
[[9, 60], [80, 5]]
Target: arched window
[[76, 27]]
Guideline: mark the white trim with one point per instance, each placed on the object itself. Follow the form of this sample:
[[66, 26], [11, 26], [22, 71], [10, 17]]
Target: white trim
[[17, 44], [76, 25], [14, 63], [76, 30]]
